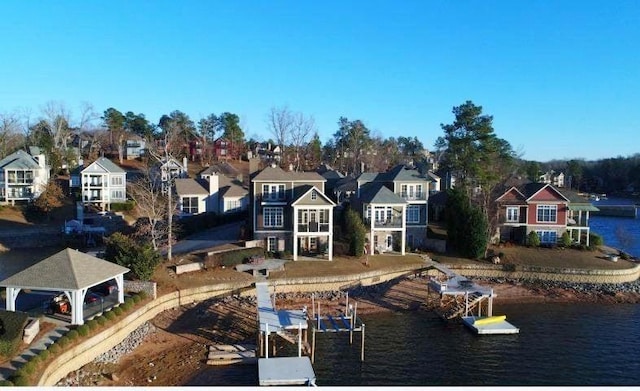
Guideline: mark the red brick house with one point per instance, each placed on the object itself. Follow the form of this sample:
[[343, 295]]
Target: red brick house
[[544, 209]]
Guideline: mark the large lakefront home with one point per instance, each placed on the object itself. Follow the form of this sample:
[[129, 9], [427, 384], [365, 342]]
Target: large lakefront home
[[292, 213], [23, 176], [103, 183], [211, 192], [544, 209], [393, 205]]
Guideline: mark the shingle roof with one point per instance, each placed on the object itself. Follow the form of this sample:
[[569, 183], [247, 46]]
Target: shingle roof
[[377, 193], [231, 188], [107, 165], [66, 270], [397, 173], [278, 174], [19, 160], [186, 186]]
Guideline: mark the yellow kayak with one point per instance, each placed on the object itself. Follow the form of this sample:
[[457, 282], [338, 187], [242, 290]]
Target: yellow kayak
[[489, 320]]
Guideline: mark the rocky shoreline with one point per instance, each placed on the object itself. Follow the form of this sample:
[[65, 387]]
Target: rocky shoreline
[[408, 294]]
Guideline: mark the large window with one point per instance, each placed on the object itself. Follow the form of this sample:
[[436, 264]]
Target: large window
[[413, 214], [547, 213], [550, 237], [411, 192], [273, 192], [190, 205], [272, 217], [117, 181], [513, 214], [117, 194]]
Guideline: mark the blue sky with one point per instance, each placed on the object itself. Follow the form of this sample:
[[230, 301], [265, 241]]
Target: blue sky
[[561, 78]]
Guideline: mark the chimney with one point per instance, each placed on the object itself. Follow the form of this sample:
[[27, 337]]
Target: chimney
[[290, 167], [184, 166], [213, 201], [254, 166]]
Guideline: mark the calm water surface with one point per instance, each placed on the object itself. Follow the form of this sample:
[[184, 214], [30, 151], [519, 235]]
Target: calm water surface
[[558, 344], [618, 232]]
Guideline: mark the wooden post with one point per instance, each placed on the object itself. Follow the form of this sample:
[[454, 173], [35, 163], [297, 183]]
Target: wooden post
[[362, 347], [346, 304]]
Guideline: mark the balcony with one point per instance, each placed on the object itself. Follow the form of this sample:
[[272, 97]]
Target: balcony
[[23, 181], [414, 196], [94, 184], [313, 227], [394, 222]]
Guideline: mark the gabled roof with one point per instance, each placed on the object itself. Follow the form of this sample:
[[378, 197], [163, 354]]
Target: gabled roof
[[527, 190], [398, 173], [220, 167], [231, 188], [190, 186], [104, 165], [531, 190], [278, 174], [378, 193], [66, 270], [304, 190], [19, 160]]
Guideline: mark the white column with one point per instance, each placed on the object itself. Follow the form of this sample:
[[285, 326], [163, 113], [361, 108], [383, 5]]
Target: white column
[[120, 284], [10, 300], [330, 234], [295, 233], [76, 299], [371, 219], [404, 228]]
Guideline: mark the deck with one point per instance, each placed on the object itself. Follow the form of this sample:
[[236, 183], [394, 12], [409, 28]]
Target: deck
[[286, 371]]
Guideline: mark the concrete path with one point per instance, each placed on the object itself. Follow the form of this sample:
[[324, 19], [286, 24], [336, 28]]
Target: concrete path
[[8, 368], [213, 237]]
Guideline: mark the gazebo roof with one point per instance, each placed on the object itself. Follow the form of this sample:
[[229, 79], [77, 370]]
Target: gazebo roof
[[66, 270]]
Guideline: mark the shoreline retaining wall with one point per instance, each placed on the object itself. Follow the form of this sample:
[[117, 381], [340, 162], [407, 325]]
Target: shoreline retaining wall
[[88, 350]]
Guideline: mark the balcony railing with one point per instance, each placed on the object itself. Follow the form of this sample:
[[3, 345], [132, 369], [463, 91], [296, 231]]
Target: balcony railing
[[94, 184], [416, 196], [313, 227], [25, 181], [388, 223]]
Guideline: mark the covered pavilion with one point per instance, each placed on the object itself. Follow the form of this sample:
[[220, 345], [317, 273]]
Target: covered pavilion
[[69, 271]]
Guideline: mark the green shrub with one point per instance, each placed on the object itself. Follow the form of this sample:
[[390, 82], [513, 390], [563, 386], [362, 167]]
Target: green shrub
[[13, 324], [92, 324], [533, 239], [127, 305], [72, 334], [110, 315], [565, 240], [595, 239], [123, 206], [29, 367], [102, 320], [63, 341], [136, 298], [44, 355], [142, 294], [118, 311], [509, 267], [6, 383], [129, 300], [20, 381], [83, 330], [233, 258], [54, 349]]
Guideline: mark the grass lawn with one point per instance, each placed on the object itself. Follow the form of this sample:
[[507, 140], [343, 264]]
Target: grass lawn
[[545, 257]]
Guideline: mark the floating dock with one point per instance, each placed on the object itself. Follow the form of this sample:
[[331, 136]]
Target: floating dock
[[286, 371], [500, 326]]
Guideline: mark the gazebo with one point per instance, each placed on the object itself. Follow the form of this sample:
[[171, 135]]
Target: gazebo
[[70, 271]]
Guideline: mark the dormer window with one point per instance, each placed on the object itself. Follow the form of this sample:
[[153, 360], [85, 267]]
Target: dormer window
[[314, 194]]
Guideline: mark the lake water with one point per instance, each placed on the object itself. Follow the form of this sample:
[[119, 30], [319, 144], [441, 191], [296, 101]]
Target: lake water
[[558, 345], [618, 232]]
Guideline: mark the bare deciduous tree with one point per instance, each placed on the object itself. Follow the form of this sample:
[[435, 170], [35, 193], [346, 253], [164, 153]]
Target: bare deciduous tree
[[280, 122], [302, 129], [151, 203], [11, 136]]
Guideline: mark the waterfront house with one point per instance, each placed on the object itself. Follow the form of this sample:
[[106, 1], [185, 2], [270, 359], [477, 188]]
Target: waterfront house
[[542, 208], [134, 147], [23, 176], [103, 183], [552, 178], [291, 212], [393, 206], [211, 192]]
